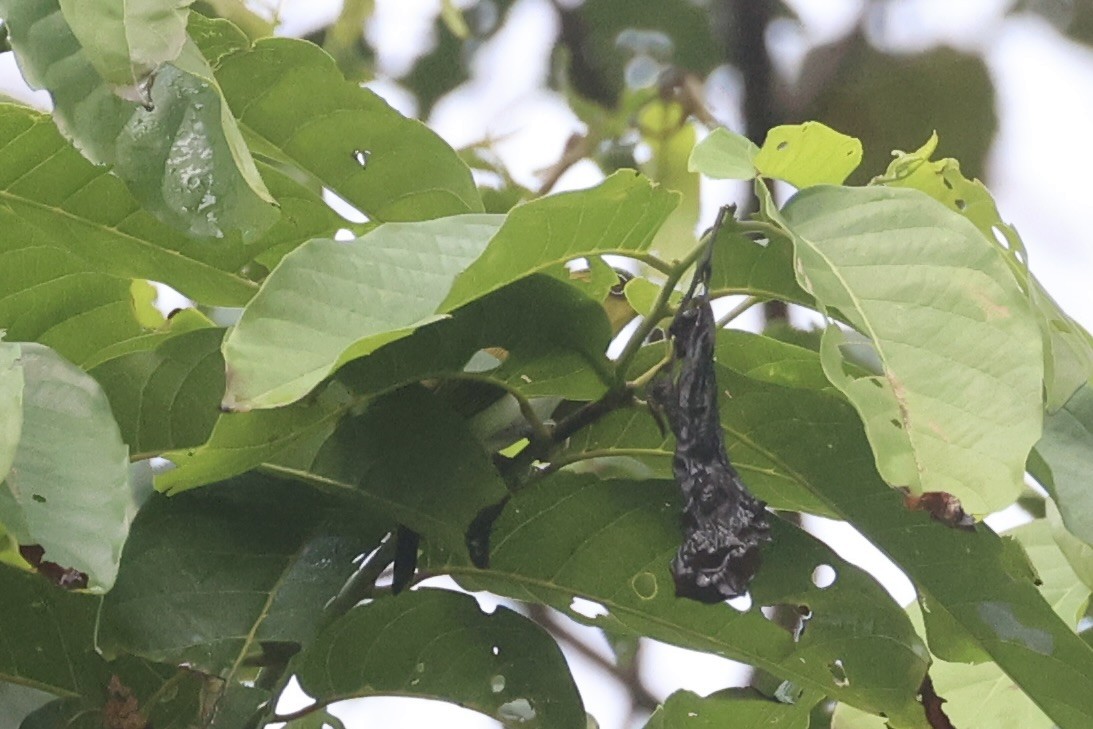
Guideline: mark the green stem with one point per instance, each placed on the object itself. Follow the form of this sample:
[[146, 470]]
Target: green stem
[[361, 583], [540, 433], [767, 229], [738, 310]]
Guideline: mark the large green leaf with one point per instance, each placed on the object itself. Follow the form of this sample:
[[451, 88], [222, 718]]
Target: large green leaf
[[213, 577], [738, 708], [1067, 450], [743, 266], [176, 145], [52, 197], [988, 591], [68, 489], [611, 542], [330, 301], [378, 455], [167, 397], [1068, 347], [957, 407], [553, 340], [294, 105], [438, 644], [621, 215], [127, 44], [11, 403]]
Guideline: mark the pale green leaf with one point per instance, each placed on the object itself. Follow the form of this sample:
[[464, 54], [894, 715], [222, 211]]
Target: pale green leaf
[[214, 577], [294, 105], [330, 301], [178, 148], [1068, 348], [621, 216], [1067, 449], [808, 154], [670, 137], [69, 489], [724, 154], [736, 708], [957, 407], [11, 402], [127, 41], [439, 645], [610, 542]]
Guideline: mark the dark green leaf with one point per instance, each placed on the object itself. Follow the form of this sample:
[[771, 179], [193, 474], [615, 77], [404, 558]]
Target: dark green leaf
[[379, 455], [215, 577], [611, 542], [743, 266], [294, 105], [438, 644], [68, 489]]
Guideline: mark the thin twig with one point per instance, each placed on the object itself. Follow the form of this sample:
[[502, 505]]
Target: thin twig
[[738, 310]]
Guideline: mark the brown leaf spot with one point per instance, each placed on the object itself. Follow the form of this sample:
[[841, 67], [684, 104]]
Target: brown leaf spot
[[122, 710], [64, 577], [943, 507]]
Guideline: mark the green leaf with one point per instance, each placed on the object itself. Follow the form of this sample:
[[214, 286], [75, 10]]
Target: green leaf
[[127, 44], [214, 577], [167, 397], [68, 489], [294, 105], [47, 638], [738, 708], [989, 591], [178, 149], [438, 644], [378, 456], [1068, 348], [1067, 449], [670, 139], [611, 542], [744, 266], [724, 155], [57, 198], [329, 302], [808, 154], [11, 402], [19, 701], [621, 215], [957, 407]]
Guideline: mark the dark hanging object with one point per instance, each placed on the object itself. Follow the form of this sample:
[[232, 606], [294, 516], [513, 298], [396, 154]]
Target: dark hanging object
[[724, 526]]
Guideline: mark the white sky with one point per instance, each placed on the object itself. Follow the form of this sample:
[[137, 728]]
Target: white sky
[[1039, 172]]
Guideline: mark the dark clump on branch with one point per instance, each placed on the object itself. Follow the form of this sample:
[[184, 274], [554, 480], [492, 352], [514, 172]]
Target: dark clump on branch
[[724, 526]]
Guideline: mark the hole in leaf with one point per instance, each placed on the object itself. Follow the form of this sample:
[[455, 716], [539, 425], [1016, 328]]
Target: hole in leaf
[[344, 234], [39, 498], [824, 576], [518, 711], [788, 617], [496, 650], [741, 603], [838, 672], [1000, 237], [587, 608], [360, 156], [895, 422], [960, 203], [945, 181], [782, 145], [497, 684]]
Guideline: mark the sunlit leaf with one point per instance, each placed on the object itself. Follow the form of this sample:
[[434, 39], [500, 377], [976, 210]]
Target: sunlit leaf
[[808, 154], [127, 43], [214, 577], [294, 105], [724, 154], [610, 542], [68, 489], [176, 145], [738, 708], [438, 644], [957, 407]]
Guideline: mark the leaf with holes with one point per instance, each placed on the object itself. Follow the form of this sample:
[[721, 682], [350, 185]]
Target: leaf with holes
[[763, 269], [550, 542], [167, 397], [378, 457], [329, 302], [988, 591], [216, 577], [439, 645], [738, 708], [808, 154], [957, 407], [68, 489], [127, 44], [295, 106], [175, 144]]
